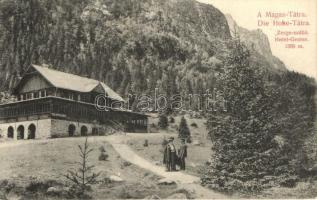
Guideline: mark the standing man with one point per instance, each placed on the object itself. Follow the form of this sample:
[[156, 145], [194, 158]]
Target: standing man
[[182, 152], [170, 155]]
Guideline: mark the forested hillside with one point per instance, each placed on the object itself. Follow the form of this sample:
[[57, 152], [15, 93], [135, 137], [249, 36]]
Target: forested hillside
[[133, 45]]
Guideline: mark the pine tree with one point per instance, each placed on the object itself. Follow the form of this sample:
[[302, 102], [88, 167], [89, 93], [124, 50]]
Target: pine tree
[[246, 153], [84, 176], [183, 131]]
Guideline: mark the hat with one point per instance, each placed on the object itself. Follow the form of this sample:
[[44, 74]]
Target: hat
[[171, 138]]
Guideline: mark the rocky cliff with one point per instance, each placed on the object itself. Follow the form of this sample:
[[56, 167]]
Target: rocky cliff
[[257, 41]]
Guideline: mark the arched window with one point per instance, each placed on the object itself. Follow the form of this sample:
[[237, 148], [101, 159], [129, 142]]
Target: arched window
[[31, 131], [83, 131], [10, 132], [71, 130], [20, 132]]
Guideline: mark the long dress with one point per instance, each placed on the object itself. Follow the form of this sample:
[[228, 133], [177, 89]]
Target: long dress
[[170, 157], [182, 155]]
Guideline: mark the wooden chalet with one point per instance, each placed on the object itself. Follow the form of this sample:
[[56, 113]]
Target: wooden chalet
[[51, 103]]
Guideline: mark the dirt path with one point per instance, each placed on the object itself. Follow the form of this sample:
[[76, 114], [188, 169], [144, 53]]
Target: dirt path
[[188, 182]]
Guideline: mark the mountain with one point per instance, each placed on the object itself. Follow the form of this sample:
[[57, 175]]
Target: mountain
[[257, 41], [179, 46]]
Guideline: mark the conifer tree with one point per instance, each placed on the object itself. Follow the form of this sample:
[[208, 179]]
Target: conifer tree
[[84, 175], [246, 153], [183, 131]]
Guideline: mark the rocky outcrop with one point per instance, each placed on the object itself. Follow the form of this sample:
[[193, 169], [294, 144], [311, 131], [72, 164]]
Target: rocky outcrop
[[200, 18], [257, 41]]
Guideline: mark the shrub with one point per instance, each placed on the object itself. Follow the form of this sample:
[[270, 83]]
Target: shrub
[[36, 185], [103, 156], [194, 125], [126, 163], [75, 191], [146, 143], [172, 120], [7, 185]]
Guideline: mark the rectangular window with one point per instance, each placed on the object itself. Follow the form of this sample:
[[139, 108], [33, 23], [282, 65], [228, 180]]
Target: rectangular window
[[42, 93], [71, 96], [29, 96]]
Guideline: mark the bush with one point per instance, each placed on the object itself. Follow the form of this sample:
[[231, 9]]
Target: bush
[[125, 164], [288, 181], [103, 156], [76, 191], [194, 125], [36, 185], [172, 120], [7, 185], [146, 143]]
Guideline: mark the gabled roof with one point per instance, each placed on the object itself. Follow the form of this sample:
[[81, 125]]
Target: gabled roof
[[74, 82]]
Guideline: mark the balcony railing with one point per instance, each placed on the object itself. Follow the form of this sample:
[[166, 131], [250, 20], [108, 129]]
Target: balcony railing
[[69, 109]]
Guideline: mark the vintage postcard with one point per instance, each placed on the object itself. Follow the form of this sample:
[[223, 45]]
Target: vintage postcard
[[158, 99]]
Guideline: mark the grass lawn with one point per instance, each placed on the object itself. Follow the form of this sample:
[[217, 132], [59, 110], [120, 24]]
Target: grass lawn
[[25, 163]]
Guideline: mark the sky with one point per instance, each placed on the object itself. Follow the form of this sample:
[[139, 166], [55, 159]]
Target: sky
[[245, 13]]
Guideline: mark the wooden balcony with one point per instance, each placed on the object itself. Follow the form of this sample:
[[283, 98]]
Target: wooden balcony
[[57, 107]]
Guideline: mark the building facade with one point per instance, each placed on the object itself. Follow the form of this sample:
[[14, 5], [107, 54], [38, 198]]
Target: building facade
[[50, 104]]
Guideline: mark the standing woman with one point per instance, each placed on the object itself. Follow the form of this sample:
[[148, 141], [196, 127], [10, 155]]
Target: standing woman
[[182, 154], [170, 155]]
